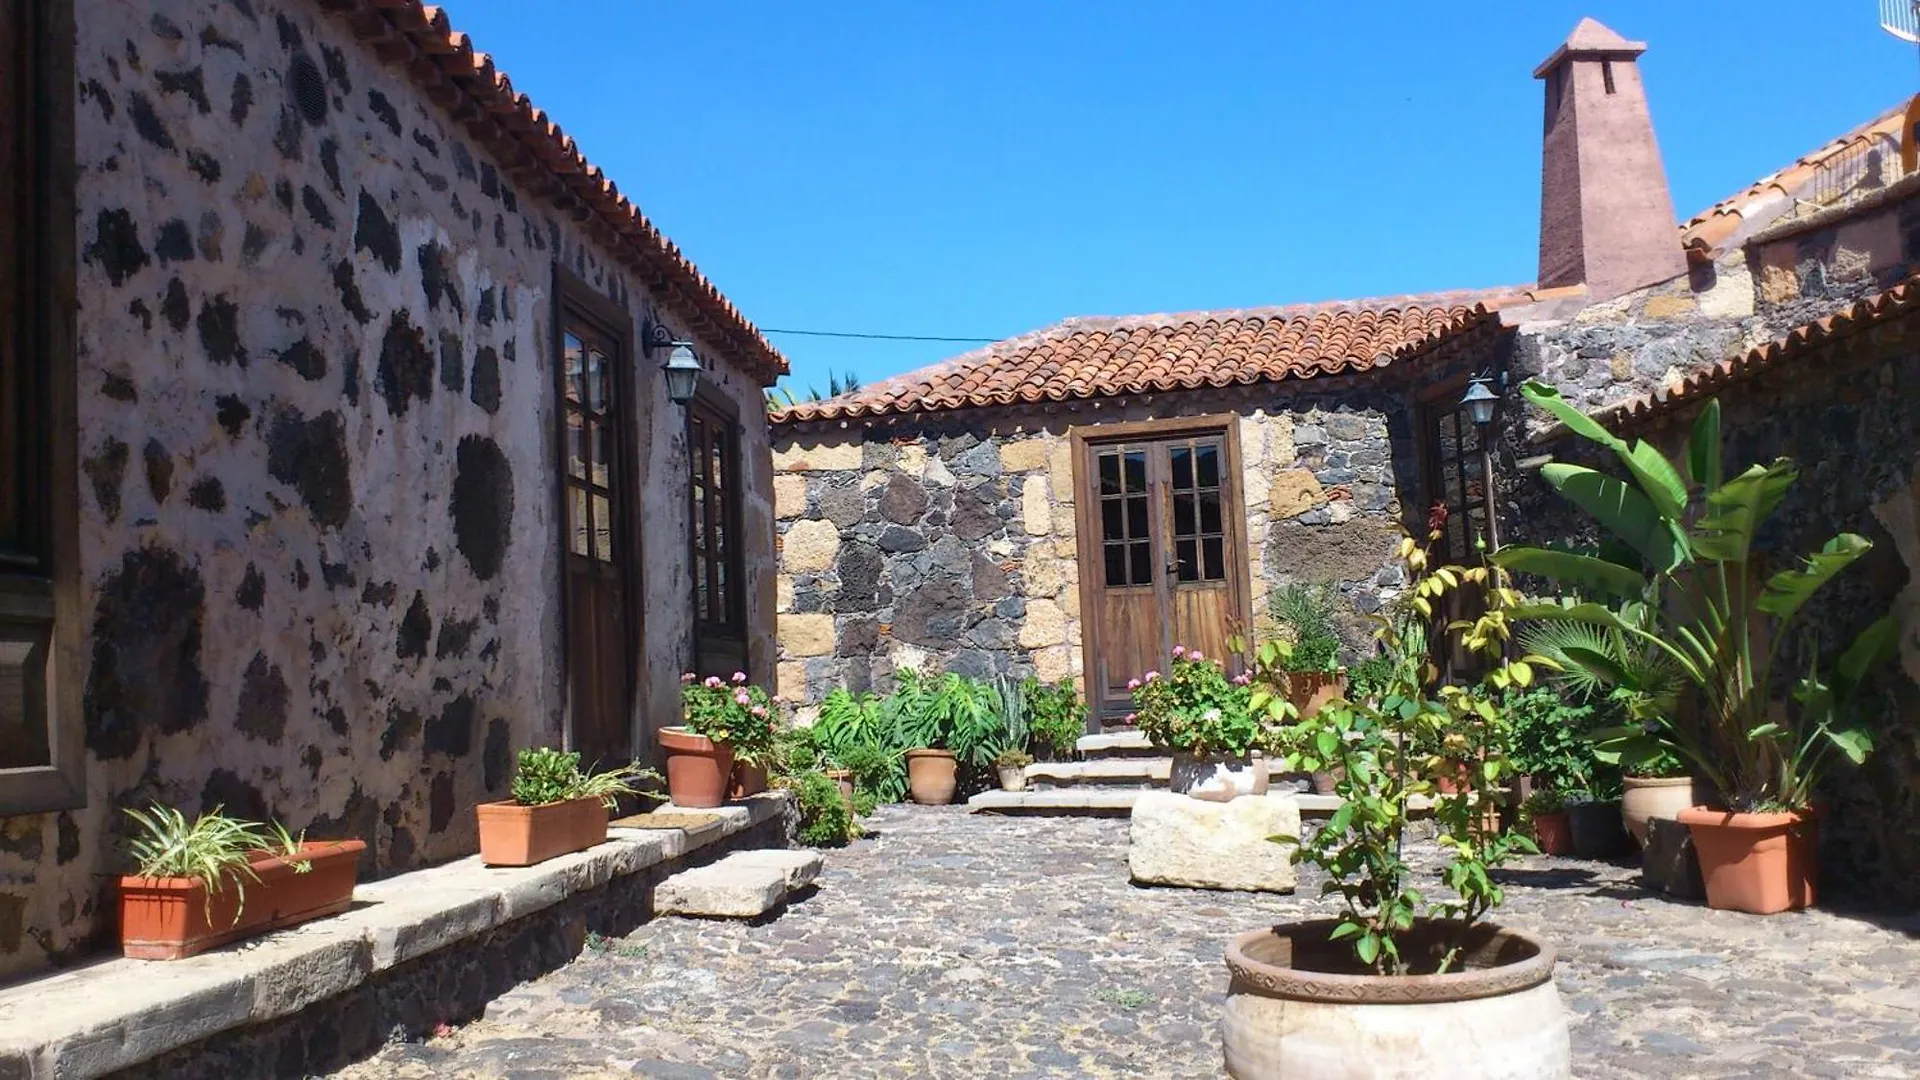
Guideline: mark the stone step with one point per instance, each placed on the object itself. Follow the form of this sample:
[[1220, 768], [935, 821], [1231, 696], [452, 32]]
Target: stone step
[[1135, 771], [744, 885], [1118, 801], [1128, 742]]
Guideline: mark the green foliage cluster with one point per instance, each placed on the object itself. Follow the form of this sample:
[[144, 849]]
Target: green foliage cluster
[[1377, 751], [1368, 679], [1547, 737], [1056, 717], [213, 849], [544, 775], [1194, 708], [1687, 589], [979, 720], [733, 711], [825, 818], [1309, 612]]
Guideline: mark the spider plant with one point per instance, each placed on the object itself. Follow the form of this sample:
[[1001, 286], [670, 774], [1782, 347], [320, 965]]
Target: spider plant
[[609, 784], [212, 849]]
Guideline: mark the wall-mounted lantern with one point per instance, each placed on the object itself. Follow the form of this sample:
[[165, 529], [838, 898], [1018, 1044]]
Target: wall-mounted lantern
[[1480, 401], [682, 366]]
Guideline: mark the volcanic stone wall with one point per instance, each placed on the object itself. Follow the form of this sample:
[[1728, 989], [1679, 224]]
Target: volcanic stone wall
[[950, 540], [319, 534]]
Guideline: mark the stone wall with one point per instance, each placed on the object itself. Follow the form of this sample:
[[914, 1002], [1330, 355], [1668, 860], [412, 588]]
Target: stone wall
[[951, 540], [319, 540]]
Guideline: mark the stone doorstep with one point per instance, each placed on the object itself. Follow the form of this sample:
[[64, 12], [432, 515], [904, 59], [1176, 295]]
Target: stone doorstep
[[1114, 743], [113, 1013], [1143, 771], [744, 885]]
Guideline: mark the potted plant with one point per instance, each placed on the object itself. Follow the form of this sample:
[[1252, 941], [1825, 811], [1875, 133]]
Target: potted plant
[[700, 751], [852, 733], [826, 817], [1011, 765], [1314, 676], [1721, 622], [556, 808], [1324, 996], [202, 883], [941, 724], [1544, 814], [1055, 717], [1203, 717], [752, 736]]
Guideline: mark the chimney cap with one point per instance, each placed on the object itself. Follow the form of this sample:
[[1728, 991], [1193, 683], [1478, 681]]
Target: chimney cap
[[1590, 40]]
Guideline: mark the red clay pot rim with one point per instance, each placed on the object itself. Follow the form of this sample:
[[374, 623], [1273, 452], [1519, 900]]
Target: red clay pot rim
[[678, 738], [309, 850], [1341, 989], [930, 752], [1729, 819]]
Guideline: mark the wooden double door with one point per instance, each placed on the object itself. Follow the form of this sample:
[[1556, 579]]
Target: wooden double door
[[1162, 554]]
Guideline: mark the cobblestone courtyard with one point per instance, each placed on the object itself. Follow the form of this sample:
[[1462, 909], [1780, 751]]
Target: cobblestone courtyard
[[953, 946]]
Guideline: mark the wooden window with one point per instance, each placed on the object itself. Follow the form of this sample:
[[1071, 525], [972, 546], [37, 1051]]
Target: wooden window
[[719, 609], [1455, 480], [1199, 531], [41, 765], [1126, 536]]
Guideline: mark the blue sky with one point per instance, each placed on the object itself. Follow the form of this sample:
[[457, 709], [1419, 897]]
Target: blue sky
[[987, 168]]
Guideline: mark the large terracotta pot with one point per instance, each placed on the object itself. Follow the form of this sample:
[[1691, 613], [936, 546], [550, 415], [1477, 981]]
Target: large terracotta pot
[[1302, 1006], [1762, 863], [516, 835], [698, 769], [169, 918], [747, 780], [932, 776], [1651, 797], [1310, 690]]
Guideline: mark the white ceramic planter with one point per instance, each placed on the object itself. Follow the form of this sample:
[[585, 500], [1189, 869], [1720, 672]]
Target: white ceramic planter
[[1654, 796], [1297, 1009]]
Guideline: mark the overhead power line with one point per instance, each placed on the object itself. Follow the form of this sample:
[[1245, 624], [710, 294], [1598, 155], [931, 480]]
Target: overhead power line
[[882, 337]]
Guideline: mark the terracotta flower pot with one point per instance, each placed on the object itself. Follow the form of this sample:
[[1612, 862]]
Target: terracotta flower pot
[[1553, 832], [516, 835], [1325, 782], [844, 778], [168, 918], [1309, 691], [1762, 863], [1013, 777], [1300, 1005], [747, 780], [932, 776], [1651, 797], [698, 769]]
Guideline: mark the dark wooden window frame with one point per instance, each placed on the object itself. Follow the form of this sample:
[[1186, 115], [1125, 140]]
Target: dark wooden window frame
[[721, 414], [40, 576], [578, 302], [1436, 403], [1083, 438]]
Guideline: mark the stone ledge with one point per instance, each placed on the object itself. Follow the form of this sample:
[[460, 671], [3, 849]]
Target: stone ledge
[[116, 1013]]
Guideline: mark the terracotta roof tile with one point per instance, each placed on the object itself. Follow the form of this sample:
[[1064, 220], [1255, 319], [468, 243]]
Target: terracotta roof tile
[[1797, 343], [1113, 356], [1711, 232], [539, 155]]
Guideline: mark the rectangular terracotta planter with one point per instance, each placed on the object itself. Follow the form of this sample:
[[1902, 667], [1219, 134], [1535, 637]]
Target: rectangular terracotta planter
[[171, 918], [515, 835]]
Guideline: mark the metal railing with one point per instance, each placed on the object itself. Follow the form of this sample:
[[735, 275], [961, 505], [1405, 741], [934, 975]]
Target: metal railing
[[1858, 171]]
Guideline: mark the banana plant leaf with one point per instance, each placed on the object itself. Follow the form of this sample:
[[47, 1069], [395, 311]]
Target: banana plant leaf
[[1734, 512], [1623, 509], [1787, 590], [1584, 571]]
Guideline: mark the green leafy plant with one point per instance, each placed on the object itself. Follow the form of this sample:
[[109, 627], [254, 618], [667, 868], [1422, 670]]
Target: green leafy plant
[[1375, 749], [1711, 612], [1056, 717], [282, 842], [1012, 759], [1547, 737], [1651, 689], [1368, 679], [1194, 708], [825, 820], [1541, 801], [1309, 613], [543, 776]]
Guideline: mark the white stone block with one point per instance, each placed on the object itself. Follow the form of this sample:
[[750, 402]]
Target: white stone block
[[721, 891], [1179, 840]]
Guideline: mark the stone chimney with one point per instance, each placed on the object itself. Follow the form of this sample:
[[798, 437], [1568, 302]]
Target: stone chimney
[[1606, 217]]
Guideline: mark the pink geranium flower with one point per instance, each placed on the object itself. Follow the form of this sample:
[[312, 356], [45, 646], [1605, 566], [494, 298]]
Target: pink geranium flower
[[688, 676], [1195, 656], [1133, 684], [1181, 650], [713, 682], [739, 676], [1242, 679], [741, 698], [1150, 676], [759, 711]]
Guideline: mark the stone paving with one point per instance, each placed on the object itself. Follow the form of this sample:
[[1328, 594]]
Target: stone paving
[[949, 945]]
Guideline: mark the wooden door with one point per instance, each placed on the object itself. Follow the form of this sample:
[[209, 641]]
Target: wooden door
[[598, 641], [1163, 555]]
